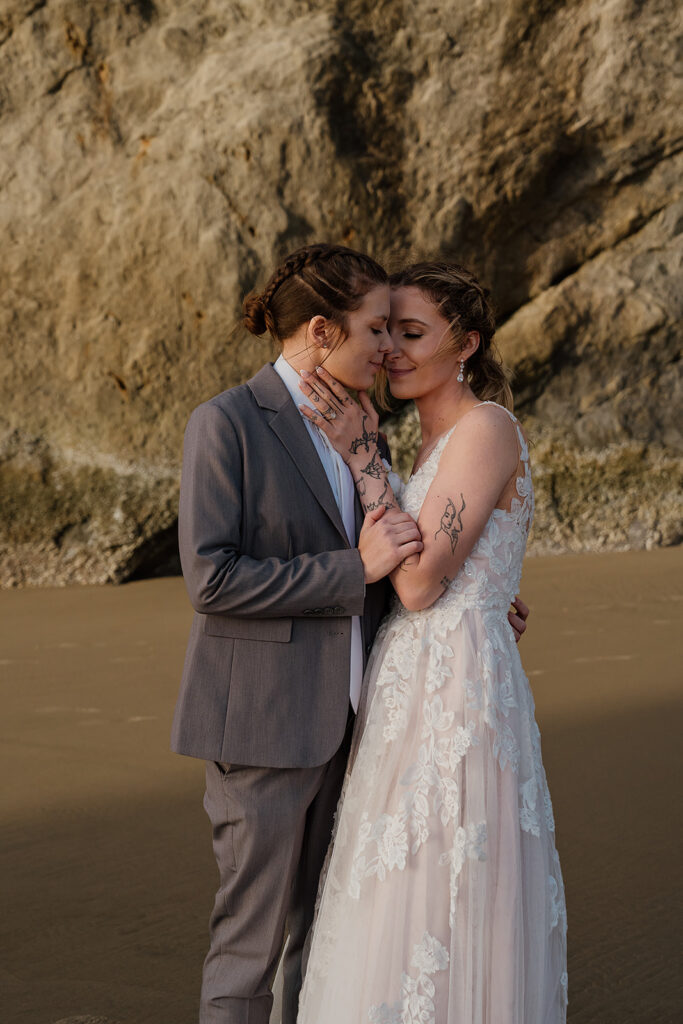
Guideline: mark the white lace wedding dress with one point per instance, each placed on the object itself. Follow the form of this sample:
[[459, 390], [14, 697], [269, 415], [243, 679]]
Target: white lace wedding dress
[[442, 900]]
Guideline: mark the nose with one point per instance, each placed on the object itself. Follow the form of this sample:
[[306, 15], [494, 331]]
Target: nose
[[393, 349], [387, 344]]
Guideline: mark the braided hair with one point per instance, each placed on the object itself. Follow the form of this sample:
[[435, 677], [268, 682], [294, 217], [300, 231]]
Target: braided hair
[[466, 305], [316, 280]]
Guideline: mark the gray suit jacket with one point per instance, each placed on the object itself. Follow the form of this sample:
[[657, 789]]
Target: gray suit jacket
[[273, 581]]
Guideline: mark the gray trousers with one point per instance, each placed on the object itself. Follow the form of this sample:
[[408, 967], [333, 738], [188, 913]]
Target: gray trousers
[[271, 830]]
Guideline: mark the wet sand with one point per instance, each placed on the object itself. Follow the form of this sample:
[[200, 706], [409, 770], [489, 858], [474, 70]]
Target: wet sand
[[106, 860]]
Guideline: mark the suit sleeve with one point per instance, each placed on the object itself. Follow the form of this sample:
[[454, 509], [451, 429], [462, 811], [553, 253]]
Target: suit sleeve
[[220, 579]]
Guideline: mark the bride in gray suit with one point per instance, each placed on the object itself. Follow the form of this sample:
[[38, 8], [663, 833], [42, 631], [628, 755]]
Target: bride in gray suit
[[285, 572]]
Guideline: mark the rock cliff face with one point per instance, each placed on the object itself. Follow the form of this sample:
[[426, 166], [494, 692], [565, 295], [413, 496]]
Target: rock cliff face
[[157, 157]]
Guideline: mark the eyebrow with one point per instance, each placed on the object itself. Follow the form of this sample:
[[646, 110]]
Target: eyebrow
[[413, 320]]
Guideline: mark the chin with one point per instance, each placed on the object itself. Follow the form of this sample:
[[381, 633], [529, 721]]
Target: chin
[[362, 384]]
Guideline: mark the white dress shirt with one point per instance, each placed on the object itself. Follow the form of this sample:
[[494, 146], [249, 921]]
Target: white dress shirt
[[344, 491]]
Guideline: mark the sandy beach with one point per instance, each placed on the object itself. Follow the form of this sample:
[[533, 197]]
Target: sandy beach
[[106, 859]]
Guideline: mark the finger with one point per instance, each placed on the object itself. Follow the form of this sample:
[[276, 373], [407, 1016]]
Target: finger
[[413, 547], [376, 514], [517, 635], [307, 390], [408, 530], [334, 385], [314, 417], [321, 390], [517, 623], [396, 516], [408, 538], [522, 608]]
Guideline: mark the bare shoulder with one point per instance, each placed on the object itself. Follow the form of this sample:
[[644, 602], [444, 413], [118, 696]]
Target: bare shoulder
[[484, 443], [485, 425]]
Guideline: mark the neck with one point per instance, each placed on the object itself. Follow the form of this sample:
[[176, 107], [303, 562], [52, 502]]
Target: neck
[[298, 354], [441, 408]]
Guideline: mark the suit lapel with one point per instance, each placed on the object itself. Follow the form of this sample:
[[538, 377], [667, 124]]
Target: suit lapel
[[359, 515], [288, 425]]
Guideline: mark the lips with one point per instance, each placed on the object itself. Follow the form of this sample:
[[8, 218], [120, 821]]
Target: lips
[[398, 373]]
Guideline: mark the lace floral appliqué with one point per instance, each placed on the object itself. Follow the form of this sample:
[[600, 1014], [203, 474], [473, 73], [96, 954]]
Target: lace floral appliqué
[[416, 1005]]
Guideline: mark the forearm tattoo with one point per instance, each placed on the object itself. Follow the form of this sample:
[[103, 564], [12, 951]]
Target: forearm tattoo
[[374, 467], [370, 506], [451, 522], [367, 438], [445, 582]]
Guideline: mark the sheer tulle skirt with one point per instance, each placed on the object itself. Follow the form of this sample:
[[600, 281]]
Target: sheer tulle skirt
[[442, 900]]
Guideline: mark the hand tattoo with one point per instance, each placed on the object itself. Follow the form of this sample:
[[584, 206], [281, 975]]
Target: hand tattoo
[[365, 440], [451, 522]]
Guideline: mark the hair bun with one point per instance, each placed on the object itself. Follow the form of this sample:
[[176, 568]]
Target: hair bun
[[254, 314]]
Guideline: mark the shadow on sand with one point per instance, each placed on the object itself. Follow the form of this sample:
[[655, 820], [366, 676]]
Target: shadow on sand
[[107, 906]]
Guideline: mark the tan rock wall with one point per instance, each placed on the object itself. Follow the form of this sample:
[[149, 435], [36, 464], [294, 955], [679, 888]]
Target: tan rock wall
[[157, 157]]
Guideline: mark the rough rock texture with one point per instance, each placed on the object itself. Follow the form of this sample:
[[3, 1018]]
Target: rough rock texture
[[157, 155]]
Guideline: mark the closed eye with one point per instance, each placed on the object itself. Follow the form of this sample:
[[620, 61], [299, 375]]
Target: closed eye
[[411, 337]]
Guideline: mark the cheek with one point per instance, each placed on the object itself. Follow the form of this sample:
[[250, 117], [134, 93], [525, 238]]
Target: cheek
[[344, 364], [354, 354]]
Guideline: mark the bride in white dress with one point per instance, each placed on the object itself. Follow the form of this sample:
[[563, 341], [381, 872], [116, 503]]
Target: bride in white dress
[[442, 900]]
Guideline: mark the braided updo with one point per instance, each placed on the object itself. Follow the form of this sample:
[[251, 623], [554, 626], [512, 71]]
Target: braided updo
[[317, 280], [466, 305]]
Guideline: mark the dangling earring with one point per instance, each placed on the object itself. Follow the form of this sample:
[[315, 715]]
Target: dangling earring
[[461, 376]]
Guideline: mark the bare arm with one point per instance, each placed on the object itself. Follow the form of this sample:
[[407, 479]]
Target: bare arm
[[474, 469]]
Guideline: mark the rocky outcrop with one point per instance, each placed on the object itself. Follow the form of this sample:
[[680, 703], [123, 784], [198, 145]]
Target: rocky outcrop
[[158, 156], [598, 380]]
